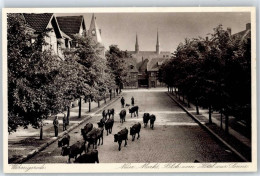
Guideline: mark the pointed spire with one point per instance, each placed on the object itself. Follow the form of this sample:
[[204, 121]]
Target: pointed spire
[[136, 44], [157, 43], [94, 30]]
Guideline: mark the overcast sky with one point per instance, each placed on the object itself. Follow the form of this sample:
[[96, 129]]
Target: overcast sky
[[121, 28]]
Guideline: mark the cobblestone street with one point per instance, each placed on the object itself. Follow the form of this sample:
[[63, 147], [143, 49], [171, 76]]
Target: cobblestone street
[[175, 138]]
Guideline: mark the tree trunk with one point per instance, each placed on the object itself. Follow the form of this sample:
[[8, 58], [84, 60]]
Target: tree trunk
[[188, 103], [221, 120], [210, 120], [105, 100], [79, 107], [89, 105], [226, 124], [197, 107], [114, 93], [98, 104], [168, 89], [183, 98], [41, 132], [110, 94], [68, 115]]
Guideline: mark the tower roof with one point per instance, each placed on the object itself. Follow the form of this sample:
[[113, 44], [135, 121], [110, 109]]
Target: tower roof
[[94, 30]]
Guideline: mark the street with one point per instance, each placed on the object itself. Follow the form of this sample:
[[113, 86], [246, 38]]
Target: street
[[175, 138]]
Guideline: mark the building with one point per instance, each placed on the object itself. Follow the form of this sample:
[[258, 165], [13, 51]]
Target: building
[[148, 63], [47, 23], [72, 25], [242, 34], [132, 79], [95, 33]]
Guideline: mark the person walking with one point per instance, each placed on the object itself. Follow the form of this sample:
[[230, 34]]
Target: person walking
[[64, 120], [56, 125], [123, 102], [132, 101]]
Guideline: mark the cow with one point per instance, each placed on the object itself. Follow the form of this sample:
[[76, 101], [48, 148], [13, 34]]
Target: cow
[[111, 112], [109, 125], [64, 141], [122, 115], [146, 118], [96, 134], [120, 136], [134, 110], [104, 114], [152, 119], [89, 157], [127, 105], [74, 150], [87, 128], [135, 129], [101, 123]]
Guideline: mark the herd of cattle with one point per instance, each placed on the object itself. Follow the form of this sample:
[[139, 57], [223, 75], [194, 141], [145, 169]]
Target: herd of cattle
[[94, 136]]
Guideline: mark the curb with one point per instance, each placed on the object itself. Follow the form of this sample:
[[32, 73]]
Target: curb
[[209, 130], [45, 145]]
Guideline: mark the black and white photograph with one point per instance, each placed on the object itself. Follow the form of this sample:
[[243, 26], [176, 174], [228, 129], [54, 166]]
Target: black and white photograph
[[152, 89]]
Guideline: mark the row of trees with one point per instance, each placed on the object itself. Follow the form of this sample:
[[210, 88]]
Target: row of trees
[[213, 73], [41, 84]]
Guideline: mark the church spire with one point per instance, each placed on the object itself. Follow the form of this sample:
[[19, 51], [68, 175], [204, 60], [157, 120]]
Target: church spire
[[157, 43], [94, 31], [136, 44]]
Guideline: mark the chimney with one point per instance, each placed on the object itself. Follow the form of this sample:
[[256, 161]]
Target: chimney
[[229, 30], [207, 38], [248, 26]]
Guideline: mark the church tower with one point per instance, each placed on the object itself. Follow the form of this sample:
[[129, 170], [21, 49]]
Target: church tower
[[157, 44], [136, 45], [94, 31]]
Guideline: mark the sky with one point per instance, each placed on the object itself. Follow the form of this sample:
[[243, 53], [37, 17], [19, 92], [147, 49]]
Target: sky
[[121, 28]]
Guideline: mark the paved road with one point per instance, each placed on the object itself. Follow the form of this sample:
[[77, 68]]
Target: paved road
[[175, 138]]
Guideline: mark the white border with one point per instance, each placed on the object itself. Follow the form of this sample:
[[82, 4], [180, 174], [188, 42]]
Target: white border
[[102, 168]]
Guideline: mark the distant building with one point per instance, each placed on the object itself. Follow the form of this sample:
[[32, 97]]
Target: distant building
[[148, 63], [132, 79], [242, 34], [47, 23]]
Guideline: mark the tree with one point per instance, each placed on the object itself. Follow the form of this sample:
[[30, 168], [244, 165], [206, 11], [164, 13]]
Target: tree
[[33, 89], [116, 63]]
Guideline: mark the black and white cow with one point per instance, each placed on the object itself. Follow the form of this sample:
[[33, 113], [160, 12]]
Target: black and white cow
[[122, 115], [120, 136], [135, 129], [134, 110]]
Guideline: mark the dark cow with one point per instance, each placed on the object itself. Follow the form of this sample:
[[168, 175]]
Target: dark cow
[[74, 150], [101, 123], [96, 134], [134, 110], [135, 129], [109, 125], [146, 118], [152, 119], [90, 157], [111, 112], [87, 128], [64, 141], [120, 136], [122, 115], [127, 105], [104, 114]]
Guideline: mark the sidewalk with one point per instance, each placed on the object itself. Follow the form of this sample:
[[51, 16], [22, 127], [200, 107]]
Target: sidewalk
[[25, 143], [234, 140]]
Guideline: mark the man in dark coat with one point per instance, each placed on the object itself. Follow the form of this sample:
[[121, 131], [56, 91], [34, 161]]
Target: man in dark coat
[[123, 102], [132, 101], [64, 120]]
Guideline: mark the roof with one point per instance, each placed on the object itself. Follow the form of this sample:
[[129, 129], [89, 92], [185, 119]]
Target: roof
[[243, 34], [70, 24], [65, 35], [38, 21], [131, 62], [155, 63], [142, 55]]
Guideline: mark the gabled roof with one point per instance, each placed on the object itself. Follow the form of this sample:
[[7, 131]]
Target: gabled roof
[[142, 55], [38, 21], [71, 24], [131, 62], [155, 63]]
